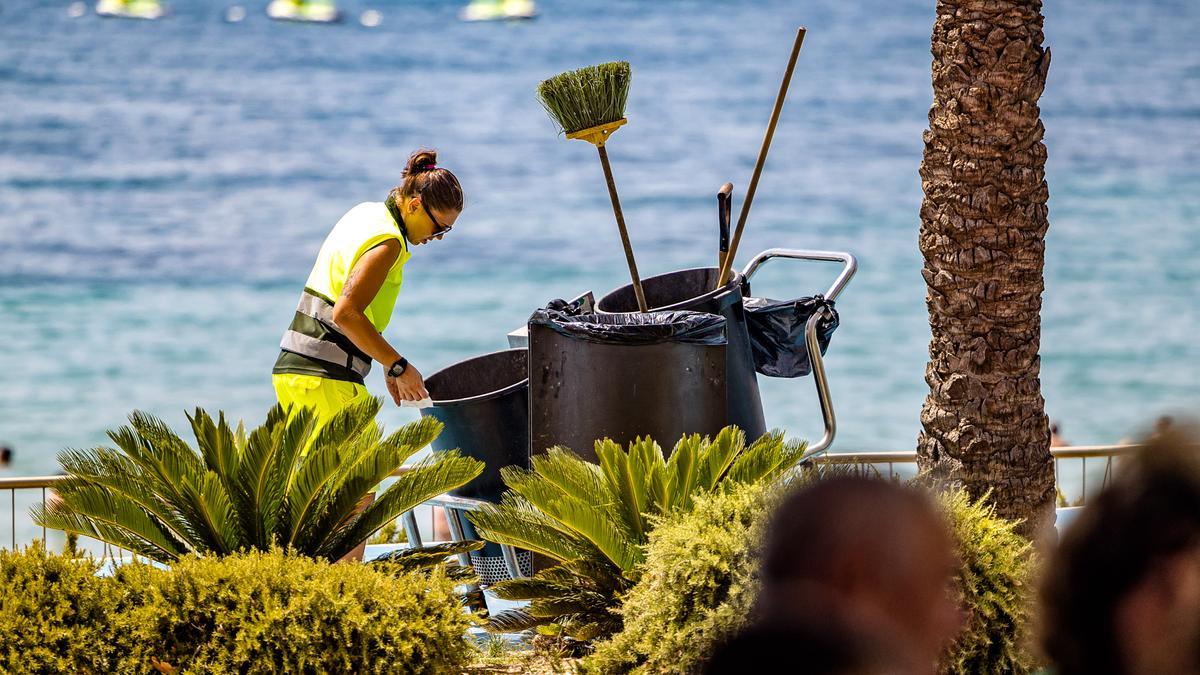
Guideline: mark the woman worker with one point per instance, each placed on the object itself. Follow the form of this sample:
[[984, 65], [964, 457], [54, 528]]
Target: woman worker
[[348, 300]]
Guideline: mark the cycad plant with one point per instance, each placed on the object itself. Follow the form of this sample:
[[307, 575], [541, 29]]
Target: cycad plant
[[594, 520], [290, 483]]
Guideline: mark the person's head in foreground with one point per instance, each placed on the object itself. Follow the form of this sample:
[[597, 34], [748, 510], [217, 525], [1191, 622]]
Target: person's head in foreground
[[1122, 593], [857, 577], [428, 200]]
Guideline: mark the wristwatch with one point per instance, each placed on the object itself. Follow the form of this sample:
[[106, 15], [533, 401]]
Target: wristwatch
[[398, 367]]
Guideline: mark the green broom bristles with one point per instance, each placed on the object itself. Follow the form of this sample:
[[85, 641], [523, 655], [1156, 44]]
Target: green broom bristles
[[586, 97]]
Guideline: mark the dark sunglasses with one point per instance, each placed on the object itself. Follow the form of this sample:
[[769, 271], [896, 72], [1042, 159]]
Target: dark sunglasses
[[438, 228]]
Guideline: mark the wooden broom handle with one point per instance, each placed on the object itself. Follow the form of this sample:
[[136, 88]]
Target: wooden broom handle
[[723, 276], [616, 204]]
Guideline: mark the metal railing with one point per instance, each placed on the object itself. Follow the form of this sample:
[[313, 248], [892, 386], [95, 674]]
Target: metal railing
[[889, 464], [1104, 458], [450, 506]]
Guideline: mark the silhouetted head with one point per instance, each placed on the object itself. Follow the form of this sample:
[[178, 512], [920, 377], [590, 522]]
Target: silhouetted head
[[871, 556], [1122, 592]]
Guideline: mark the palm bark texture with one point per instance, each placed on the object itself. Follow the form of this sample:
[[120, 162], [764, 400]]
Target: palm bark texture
[[983, 227]]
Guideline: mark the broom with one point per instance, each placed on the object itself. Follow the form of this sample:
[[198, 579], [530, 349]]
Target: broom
[[589, 105]]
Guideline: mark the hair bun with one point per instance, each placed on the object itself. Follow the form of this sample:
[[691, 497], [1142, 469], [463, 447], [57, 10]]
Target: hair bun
[[420, 161]]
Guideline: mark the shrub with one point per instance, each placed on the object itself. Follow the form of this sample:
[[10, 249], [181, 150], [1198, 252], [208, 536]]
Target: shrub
[[698, 583], [995, 582], [594, 519], [271, 612], [697, 586], [291, 482], [53, 613], [248, 613]]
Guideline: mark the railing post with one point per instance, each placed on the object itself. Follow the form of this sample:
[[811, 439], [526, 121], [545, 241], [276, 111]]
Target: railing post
[[412, 532], [1083, 497]]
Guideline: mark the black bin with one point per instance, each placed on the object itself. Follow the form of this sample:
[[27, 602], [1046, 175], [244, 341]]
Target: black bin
[[692, 290], [622, 376], [484, 404]]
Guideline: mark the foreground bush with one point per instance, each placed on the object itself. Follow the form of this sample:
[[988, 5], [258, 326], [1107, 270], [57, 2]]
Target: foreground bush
[[247, 613], [697, 587], [270, 612], [54, 614], [698, 583], [289, 483], [995, 582]]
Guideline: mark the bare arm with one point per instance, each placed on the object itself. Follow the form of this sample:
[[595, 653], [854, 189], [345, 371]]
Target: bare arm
[[362, 284]]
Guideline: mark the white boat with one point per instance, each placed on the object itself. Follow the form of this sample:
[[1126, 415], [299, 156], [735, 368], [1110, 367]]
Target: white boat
[[305, 11], [131, 9], [498, 10]]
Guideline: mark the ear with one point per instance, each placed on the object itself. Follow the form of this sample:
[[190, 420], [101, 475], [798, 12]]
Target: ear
[[412, 204]]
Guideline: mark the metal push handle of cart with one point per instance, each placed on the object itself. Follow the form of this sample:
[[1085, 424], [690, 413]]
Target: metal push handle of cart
[[849, 267]]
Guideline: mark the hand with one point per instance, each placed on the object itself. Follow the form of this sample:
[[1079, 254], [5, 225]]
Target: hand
[[408, 387]]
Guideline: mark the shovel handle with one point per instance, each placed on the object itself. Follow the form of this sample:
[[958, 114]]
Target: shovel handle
[[724, 215]]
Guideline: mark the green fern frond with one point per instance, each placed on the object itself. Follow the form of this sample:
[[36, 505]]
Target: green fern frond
[[258, 488], [518, 523], [405, 559], [93, 511], [339, 499], [216, 443], [217, 514], [594, 519], [111, 470], [716, 457], [529, 589], [682, 471], [627, 483], [575, 603], [596, 524], [335, 455], [514, 621], [560, 467], [766, 459], [535, 489], [435, 475], [415, 436]]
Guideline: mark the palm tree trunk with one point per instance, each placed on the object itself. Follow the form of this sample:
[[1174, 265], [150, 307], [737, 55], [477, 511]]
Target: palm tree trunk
[[983, 227]]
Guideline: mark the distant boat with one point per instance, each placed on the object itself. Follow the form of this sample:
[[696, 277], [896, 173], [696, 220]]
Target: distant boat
[[131, 9], [307, 11], [498, 10]]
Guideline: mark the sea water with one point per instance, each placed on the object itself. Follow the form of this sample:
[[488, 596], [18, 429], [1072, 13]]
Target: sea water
[[164, 187]]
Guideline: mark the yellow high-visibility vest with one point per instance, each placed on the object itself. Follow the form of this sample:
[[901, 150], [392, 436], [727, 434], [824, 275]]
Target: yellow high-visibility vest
[[313, 344]]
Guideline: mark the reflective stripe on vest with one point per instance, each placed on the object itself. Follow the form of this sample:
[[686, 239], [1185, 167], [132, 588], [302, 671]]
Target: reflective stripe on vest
[[317, 308], [329, 344]]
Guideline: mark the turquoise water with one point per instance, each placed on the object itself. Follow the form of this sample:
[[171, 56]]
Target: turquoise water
[[164, 187]]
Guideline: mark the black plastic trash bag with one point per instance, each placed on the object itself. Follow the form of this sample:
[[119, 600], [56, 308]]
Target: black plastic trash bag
[[777, 333], [583, 304], [635, 329]]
